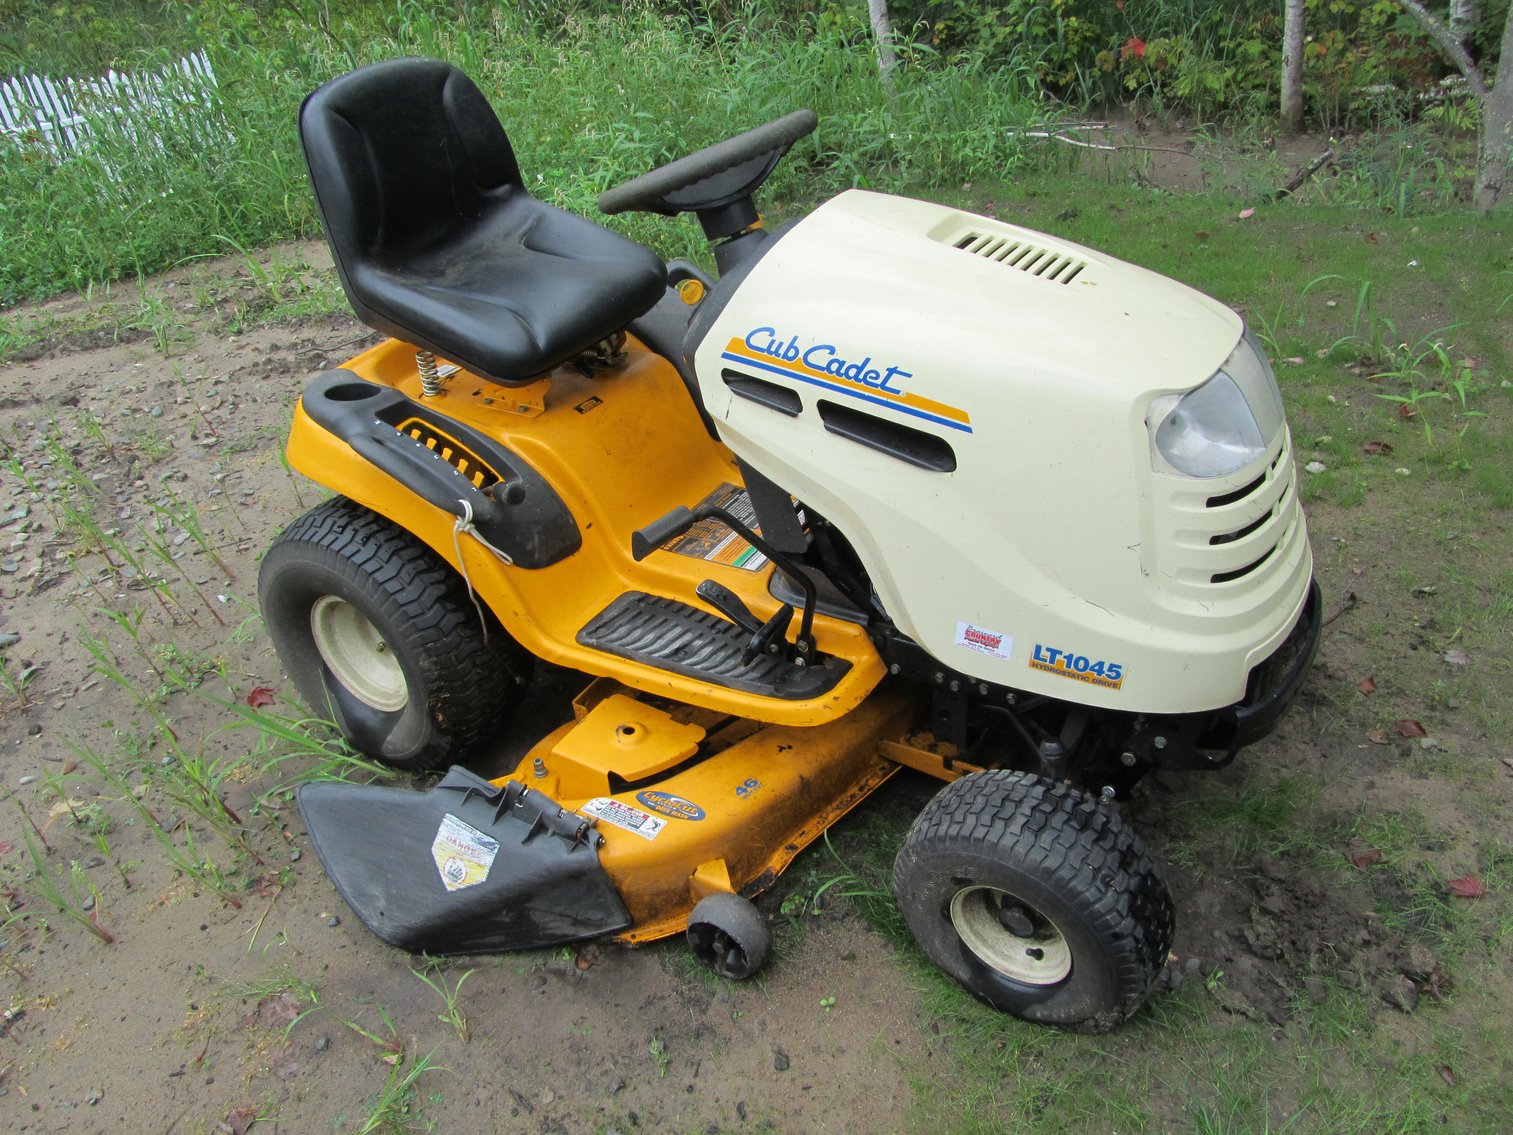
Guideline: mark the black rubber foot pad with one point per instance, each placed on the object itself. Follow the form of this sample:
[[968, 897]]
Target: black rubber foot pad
[[700, 644]]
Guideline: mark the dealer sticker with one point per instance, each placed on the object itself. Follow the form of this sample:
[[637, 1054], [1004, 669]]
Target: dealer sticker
[[995, 644], [643, 824], [463, 854]]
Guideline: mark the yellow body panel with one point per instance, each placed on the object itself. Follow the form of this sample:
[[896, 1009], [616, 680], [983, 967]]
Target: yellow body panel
[[621, 448], [731, 820]]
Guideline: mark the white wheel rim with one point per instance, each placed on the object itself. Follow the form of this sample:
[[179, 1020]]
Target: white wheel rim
[[357, 655], [1040, 957]]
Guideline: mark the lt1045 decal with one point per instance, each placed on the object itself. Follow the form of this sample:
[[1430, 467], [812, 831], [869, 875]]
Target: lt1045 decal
[[1069, 664]]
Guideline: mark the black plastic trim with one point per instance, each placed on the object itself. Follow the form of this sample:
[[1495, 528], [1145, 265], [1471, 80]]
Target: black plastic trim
[[914, 447], [521, 514], [764, 393]]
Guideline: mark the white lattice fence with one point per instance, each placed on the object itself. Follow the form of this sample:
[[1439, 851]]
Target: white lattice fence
[[60, 115]]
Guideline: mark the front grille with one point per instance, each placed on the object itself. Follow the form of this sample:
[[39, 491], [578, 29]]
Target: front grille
[[1212, 541]]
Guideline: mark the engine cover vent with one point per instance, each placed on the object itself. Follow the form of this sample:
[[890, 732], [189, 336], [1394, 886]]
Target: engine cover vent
[[1057, 267]]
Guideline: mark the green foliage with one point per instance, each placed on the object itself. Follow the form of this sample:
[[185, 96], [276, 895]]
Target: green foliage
[[591, 95]]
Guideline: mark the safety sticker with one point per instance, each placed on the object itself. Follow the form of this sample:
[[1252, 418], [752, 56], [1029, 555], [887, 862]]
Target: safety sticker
[[712, 542], [993, 643], [643, 824], [1068, 664], [666, 804], [463, 854]]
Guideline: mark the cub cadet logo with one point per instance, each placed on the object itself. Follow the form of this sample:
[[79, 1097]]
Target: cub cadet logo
[[823, 357], [666, 804], [1095, 672], [826, 366]]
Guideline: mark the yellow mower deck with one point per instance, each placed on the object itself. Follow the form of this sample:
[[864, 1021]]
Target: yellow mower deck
[[685, 813]]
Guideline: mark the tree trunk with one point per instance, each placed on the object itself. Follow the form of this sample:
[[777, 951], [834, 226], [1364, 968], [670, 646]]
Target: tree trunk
[[1494, 152], [1292, 65], [882, 31], [1462, 18], [1494, 161]]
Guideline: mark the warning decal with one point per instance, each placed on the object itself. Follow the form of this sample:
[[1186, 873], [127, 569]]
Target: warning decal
[[644, 824], [463, 854], [711, 541]]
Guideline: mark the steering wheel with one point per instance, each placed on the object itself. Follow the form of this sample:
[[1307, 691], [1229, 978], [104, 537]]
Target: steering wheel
[[713, 177]]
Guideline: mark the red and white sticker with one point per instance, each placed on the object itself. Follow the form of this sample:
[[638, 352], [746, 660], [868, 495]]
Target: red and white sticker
[[643, 824], [995, 644]]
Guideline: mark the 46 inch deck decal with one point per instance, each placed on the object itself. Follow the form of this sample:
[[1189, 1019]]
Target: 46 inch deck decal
[[1093, 671]]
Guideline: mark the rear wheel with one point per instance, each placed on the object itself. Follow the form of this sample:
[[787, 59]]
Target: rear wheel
[[1036, 898], [378, 633]]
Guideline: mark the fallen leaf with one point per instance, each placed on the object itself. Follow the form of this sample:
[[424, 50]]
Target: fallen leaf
[[1406, 411], [1446, 1073], [260, 696], [1368, 685], [1368, 858], [238, 1121], [1407, 727], [69, 766], [1467, 887], [586, 958], [1376, 736], [1246, 214], [1296, 361], [1457, 658], [1377, 448], [1371, 238]]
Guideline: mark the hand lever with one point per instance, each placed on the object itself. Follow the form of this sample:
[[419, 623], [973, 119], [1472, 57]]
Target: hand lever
[[729, 604]]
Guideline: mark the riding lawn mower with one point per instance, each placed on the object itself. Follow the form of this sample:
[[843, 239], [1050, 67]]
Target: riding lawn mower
[[898, 487]]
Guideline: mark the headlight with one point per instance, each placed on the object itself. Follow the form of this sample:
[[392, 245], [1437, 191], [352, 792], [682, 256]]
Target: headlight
[[1223, 425]]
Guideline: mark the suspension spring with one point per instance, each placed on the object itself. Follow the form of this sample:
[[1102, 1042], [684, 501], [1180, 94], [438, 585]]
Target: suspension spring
[[430, 377]]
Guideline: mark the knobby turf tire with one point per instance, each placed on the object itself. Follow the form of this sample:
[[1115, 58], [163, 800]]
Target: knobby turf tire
[[461, 686], [1068, 857]]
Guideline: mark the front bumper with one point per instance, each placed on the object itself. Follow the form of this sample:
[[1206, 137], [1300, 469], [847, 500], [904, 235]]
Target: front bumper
[[1211, 740]]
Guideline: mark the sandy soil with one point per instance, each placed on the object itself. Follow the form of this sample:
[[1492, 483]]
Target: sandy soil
[[263, 1000]]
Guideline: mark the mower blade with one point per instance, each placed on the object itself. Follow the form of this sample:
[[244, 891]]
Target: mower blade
[[467, 867]]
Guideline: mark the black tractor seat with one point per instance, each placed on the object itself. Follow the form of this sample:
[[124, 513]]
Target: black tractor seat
[[437, 241]]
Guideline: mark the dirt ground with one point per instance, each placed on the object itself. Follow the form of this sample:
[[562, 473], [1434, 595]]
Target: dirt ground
[[262, 1001]]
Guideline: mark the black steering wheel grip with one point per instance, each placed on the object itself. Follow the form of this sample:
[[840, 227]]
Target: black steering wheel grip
[[650, 189]]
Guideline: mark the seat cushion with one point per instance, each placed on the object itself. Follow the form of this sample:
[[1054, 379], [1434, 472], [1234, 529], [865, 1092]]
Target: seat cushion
[[436, 239], [523, 289]]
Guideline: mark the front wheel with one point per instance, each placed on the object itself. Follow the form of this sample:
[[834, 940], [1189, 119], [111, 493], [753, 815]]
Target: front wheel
[[1037, 899], [379, 634]]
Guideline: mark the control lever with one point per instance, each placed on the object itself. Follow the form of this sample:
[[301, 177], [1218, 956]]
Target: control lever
[[765, 637], [645, 541], [729, 604]]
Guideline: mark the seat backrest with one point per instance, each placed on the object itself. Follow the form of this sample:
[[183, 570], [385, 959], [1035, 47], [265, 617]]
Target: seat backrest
[[402, 155]]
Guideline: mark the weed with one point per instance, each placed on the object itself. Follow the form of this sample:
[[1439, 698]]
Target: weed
[[390, 1045], [436, 981], [657, 1050], [392, 1108], [82, 908]]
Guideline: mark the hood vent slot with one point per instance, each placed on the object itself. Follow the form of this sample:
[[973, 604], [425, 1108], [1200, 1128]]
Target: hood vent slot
[[1057, 267]]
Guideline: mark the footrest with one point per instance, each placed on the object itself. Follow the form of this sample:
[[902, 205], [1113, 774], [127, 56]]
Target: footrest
[[673, 636]]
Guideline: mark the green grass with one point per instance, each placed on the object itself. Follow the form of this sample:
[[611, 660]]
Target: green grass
[[588, 103]]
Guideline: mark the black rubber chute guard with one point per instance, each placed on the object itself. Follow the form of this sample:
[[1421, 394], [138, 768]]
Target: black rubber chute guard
[[541, 886]]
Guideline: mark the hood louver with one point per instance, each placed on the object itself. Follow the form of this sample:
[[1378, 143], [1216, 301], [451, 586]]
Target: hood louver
[[1056, 267]]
